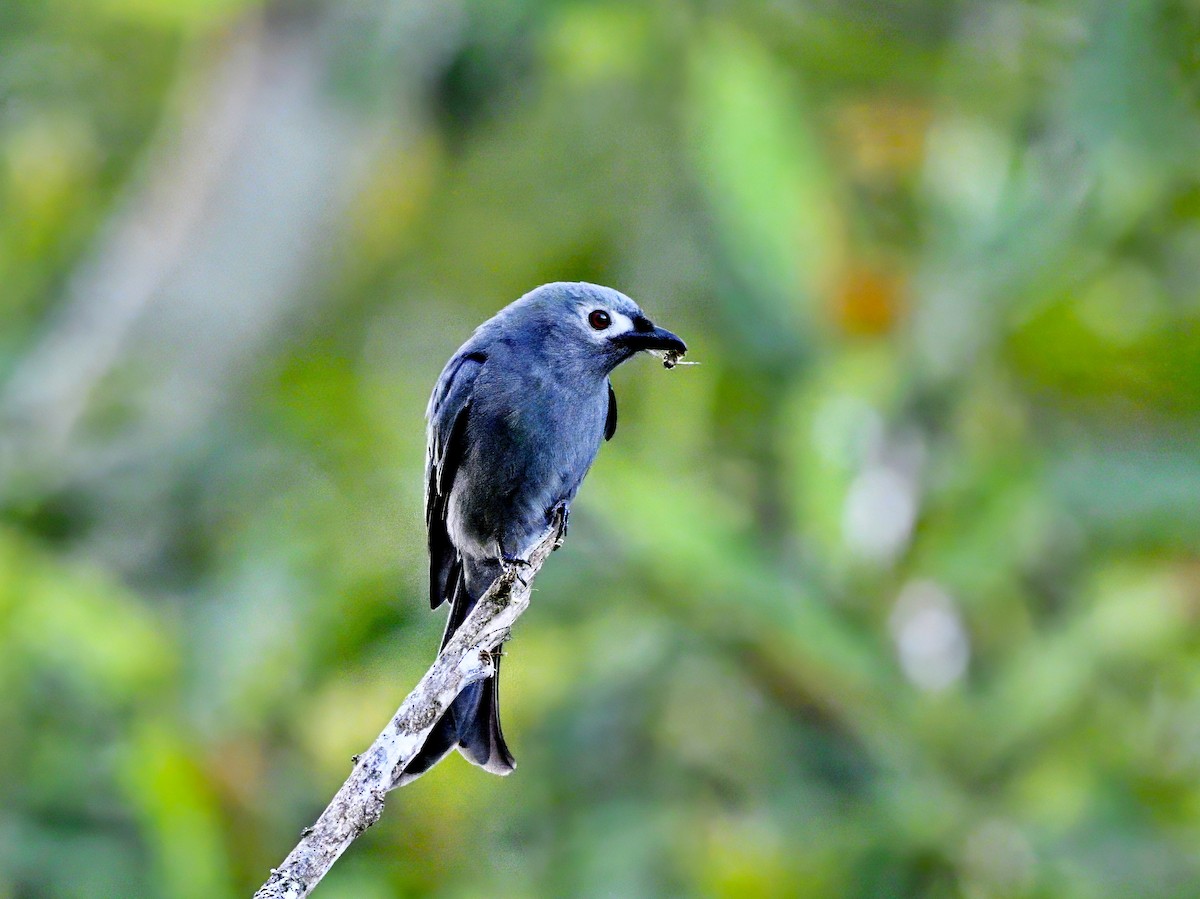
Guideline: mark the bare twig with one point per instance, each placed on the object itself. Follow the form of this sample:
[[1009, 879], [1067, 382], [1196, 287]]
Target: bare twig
[[359, 803]]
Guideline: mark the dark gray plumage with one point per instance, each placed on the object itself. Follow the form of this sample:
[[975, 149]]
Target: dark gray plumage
[[515, 422]]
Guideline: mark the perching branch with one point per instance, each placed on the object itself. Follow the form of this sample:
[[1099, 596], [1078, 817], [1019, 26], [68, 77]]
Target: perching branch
[[359, 803]]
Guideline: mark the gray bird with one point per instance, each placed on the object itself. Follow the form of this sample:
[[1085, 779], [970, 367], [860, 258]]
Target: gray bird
[[515, 422]]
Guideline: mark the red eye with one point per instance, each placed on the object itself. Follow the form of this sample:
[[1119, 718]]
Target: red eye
[[599, 319]]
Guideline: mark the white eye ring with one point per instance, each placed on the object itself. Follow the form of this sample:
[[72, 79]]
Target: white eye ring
[[610, 322]]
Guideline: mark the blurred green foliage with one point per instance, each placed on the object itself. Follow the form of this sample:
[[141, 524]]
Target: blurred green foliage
[[898, 594]]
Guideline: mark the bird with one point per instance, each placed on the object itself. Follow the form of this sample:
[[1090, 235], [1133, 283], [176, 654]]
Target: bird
[[515, 422]]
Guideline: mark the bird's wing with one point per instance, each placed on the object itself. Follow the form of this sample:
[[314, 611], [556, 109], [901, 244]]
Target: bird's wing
[[610, 425], [449, 408]]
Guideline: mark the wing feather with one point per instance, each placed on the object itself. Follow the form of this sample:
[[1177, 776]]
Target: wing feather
[[449, 411], [610, 424]]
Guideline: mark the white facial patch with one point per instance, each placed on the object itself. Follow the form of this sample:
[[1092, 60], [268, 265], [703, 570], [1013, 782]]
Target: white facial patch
[[621, 323]]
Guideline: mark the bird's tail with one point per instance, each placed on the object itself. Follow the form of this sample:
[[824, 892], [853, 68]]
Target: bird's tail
[[472, 723]]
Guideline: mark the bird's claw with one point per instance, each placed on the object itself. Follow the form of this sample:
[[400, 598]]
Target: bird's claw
[[493, 656], [514, 565]]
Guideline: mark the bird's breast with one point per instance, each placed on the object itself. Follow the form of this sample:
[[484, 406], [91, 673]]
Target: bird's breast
[[529, 447]]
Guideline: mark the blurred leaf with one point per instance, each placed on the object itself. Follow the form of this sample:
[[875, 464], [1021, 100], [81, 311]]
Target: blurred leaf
[[761, 167], [184, 828], [191, 14]]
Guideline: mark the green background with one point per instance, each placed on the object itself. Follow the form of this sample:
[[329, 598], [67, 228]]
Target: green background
[[897, 594]]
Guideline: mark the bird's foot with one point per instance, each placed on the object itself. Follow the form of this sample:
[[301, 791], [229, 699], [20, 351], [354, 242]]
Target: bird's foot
[[491, 657], [560, 520], [514, 565]]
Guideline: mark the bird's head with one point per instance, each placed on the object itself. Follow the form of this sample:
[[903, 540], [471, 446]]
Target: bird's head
[[594, 324]]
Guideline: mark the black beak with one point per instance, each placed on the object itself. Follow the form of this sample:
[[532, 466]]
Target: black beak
[[648, 337]]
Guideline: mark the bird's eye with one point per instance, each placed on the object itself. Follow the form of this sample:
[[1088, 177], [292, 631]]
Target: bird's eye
[[599, 319]]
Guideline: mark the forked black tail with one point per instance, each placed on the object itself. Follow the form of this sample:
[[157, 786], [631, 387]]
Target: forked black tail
[[472, 723]]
